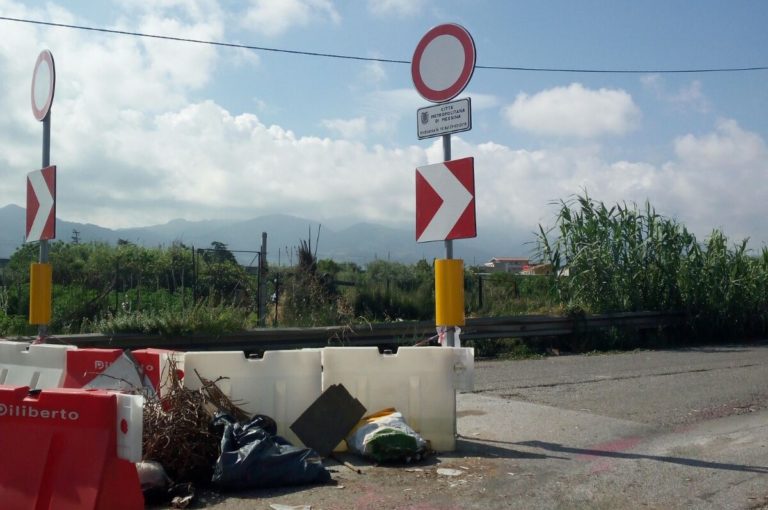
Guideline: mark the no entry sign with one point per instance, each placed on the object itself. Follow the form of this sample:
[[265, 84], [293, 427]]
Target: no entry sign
[[443, 62], [43, 85]]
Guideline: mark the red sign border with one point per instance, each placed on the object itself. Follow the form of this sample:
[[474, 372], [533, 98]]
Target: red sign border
[[464, 37]]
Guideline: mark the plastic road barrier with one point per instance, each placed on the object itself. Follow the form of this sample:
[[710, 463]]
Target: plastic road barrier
[[419, 382], [39, 366], [66, 449], [282, 384], [156, 364], [146, 369]]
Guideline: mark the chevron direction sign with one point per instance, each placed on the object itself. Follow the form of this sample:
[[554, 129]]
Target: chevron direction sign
[[445, 201], [41, 205]]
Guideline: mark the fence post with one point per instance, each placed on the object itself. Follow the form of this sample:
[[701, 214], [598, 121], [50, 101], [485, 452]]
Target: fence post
[[479, 292]]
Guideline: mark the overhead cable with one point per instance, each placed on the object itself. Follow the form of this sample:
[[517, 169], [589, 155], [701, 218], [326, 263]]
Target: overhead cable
[[382, 60]]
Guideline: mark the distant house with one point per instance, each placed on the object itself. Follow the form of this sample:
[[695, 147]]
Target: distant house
[[4, 262], [538, 269], [507, 264]]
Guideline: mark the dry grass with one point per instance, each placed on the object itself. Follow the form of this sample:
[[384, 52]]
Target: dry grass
[[177, 427]]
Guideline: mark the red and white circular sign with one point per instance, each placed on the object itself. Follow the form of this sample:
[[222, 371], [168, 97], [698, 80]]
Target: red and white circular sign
[[443, 62], [43, 84]]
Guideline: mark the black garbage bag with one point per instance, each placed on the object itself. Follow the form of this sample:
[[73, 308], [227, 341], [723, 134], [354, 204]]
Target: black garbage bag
[[253, 456]]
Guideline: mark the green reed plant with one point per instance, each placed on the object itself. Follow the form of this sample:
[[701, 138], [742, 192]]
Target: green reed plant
[[626, 258], [618, 258]]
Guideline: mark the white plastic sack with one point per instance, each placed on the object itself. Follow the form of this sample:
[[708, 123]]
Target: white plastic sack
[[385, 436]]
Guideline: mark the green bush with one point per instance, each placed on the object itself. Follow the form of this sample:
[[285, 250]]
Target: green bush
[[203, 318], [15, 325]]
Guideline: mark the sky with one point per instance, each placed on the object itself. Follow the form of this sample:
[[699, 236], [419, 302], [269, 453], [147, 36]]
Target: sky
[[147, 130]]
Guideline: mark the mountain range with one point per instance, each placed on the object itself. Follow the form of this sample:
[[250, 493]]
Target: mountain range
[[359, 243]]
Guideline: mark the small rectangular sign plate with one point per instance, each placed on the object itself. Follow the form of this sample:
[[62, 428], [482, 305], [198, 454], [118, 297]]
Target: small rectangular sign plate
[[444, 118]]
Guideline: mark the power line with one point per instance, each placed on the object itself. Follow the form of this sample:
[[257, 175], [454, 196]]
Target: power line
[[626, 71], [385, 60], [201, 41]]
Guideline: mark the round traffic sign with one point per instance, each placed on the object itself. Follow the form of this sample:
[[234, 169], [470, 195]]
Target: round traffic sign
[[443, 62], [43, 85]]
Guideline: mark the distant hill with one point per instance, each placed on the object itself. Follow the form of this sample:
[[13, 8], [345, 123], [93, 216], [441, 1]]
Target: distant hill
[[359, 243]]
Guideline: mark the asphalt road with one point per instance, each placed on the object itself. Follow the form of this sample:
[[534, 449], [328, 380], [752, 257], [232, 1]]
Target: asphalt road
[[647, 429], [658, 388]]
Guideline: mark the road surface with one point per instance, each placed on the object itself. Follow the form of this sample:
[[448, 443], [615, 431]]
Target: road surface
[[647, 429]]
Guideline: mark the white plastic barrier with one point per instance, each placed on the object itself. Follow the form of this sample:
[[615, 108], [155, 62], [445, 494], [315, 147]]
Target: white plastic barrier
[[282, 384], [130, 426], [417, 381], [39, 366], [463, 368]]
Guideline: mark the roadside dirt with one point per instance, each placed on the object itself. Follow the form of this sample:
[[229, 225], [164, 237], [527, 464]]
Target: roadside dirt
[[454, 481]]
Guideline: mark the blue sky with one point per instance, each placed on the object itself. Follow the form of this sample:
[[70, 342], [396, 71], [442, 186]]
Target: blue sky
[[145, 131]]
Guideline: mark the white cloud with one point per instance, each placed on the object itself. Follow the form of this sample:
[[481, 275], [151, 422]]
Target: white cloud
[[714, 181], [574, 111], [729, 148], [138, 143], [688, 97], [718, 178], [272, 18], [104, 85], [483, 101], [396, 7], [237, 164], [196, 11], [374, 73], [386, 109], [348, 128]]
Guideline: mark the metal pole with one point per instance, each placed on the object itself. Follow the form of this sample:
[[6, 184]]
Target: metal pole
[[262, 285], [449, 332], [46, 163], [42, 329]]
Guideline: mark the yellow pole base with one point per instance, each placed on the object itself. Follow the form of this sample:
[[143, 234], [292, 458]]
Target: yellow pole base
[[449, 292], [40, 293]]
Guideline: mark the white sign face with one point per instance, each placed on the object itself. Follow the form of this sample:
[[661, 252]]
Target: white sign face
[[42, 80], [43, 85], [442, 62], [444, 118]]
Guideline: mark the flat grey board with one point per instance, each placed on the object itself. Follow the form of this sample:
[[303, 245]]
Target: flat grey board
[[328, 420]]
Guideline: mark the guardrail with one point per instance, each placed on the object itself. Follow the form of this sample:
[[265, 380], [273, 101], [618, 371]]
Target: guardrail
[[379, 334]]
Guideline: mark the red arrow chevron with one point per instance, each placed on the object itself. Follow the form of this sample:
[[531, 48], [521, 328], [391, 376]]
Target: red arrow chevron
[[41, 204], [445, 201]]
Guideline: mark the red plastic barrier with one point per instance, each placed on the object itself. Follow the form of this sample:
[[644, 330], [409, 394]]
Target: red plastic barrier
[[154, 362], [59, 450], [84, 365]]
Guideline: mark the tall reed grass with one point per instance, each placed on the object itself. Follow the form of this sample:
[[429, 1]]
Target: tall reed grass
[[627, 258]]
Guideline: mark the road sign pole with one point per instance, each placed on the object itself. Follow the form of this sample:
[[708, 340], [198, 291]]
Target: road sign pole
[[42, 329], [46, 163], [42, 92], [442, 65], [450, 330]]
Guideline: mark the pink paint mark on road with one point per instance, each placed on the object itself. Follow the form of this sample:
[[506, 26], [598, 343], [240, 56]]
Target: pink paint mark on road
[[599, 461]]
